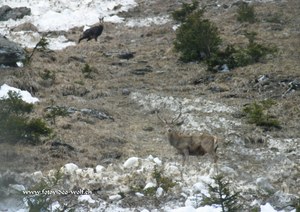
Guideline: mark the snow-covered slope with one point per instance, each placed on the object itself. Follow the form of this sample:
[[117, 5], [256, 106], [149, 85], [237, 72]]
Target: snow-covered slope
[[54, 15]]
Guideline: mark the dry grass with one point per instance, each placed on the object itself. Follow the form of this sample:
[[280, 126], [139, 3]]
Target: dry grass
[[100, 142]]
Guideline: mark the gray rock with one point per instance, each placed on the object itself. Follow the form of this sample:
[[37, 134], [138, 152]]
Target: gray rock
[[126, 55], [17, 187], [7, 12], [142, 71], [125, 92], [10, 52], [25, 27], [264, 185], [224, 68], [97, 114], [283, 201]]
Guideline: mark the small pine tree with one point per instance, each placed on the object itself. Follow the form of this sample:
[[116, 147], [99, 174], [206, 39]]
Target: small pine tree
[[196, 38], [42, 44], [257, 113], [15, 123], [221, 195]]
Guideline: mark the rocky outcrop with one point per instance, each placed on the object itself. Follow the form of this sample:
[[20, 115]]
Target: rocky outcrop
[[7, 12], [25, 27], [10, 52]]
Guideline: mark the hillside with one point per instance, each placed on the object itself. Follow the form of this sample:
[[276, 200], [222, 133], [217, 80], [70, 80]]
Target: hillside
[[130, 90]]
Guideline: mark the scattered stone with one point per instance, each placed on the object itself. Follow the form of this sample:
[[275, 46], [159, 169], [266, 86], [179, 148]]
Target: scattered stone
[[115, 197], [172, 171], [76, 59], [86, 198], [150, 185], [142, 71], [86, 111], [293, 86], [157, 161], [283, 201], [10, 52], [97, 114], [126, 92], [263, 78], [126, 55], [7, 12], [117, 64], [25, 27], [99, 168], [69, 168], [117, 7], [264, 185], [55, 206], [138, 194], [37, 176], [228, 171], [131, 162], [17, 187], [223, 68], [148, 129], [159, 192]]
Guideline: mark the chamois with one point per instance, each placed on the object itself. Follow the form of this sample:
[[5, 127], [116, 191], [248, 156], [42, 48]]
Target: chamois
[[93, 32], [196, 144]]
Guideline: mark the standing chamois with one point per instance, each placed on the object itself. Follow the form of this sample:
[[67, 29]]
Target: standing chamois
[[93, 32], [196, 144]]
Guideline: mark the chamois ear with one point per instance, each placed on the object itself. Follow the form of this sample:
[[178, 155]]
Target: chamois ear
[[101, 20]]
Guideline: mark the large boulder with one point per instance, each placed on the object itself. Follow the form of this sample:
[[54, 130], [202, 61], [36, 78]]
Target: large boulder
[[6, 12], [10, 52]]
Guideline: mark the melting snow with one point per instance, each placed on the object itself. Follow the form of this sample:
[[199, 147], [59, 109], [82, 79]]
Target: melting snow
[[25, 95], [54, 15], [145, 22]]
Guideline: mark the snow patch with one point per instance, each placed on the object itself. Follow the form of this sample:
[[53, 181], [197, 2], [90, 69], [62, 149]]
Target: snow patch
[[62, 15], [25, 95], [148, 21], [267, 208]]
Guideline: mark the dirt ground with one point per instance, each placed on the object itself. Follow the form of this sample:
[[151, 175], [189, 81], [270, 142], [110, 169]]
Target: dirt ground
[[155, 68]]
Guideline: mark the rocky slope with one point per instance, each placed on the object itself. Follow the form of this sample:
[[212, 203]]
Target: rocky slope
[[264, 165]]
